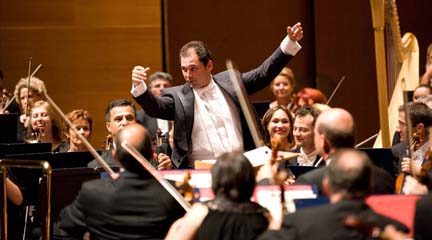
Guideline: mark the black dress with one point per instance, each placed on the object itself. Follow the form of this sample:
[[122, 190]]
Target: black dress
[[235, 221]]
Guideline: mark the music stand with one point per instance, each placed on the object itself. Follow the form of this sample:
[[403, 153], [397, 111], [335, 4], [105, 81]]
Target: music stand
[[8, 128], [58, 160], [21, 148], [383, 158]]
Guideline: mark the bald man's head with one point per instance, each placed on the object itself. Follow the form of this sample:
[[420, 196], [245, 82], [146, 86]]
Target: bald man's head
[[139, 138], [350, 173], [334, 129]]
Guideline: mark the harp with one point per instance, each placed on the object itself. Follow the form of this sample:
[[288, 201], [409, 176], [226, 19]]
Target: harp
[[397, 66]]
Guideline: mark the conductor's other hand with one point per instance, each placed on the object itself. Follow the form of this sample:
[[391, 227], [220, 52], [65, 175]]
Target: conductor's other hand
[[295, 33], [139, 75]]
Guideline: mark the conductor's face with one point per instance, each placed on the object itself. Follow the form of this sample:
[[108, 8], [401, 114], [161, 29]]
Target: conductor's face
[[195, 72]]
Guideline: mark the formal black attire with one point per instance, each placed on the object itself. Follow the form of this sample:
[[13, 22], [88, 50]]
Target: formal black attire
[[400, 151], [15, 213], [294, 161], [150, 123], [134, 206], [422, 218], [244, 221], [108, 157], [383, 182], [326, 222], [177, 103]]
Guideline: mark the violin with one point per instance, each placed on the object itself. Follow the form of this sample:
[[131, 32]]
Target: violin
[[401, 177]]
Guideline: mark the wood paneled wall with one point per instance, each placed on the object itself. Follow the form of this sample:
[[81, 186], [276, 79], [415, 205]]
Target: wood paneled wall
[[87, 48], [246, 32]]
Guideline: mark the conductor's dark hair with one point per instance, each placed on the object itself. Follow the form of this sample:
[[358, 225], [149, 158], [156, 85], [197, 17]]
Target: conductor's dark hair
[[201, 49], [117, 103], [233, 177]]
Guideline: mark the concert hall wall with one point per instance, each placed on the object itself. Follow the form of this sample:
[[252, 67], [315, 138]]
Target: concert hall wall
[[88, 48]]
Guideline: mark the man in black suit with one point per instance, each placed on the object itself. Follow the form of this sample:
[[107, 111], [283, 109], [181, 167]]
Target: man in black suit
[[133, 206], [334, 130], [303, 130], [348, 181], [206, 110], [118, 114]]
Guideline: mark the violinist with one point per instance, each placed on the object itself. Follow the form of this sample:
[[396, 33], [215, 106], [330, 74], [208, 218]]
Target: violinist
[[5, 98], [158, 81], [348, 182], [83, 122], [231, 215], [118, 114], [45, 125], [133, 206], [421, 120], [27, 94], [334, 130]]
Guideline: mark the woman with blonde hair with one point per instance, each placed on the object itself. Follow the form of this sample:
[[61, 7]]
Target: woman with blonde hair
[[45, 125], [26, 94]]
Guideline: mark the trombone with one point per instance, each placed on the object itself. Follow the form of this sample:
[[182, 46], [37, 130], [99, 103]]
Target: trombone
[[29, 164]]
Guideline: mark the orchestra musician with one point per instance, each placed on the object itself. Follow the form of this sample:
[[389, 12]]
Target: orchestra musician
[[45, 125], [133, 206], [303, 131], [421, 120], [15, 192], [334, 130], [5, 98], [118, 114], [282, 88], [26, 97], [83, 122], [231, 214], [205, 109], [278, 123], [348, 182], [158, 81], [308, 97]]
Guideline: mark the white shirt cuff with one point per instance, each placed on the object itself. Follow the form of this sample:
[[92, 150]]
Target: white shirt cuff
[[139, 89], [289, 47]]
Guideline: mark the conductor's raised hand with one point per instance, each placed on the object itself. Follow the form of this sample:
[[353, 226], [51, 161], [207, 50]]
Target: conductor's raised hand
[[139, 75], [295, 33]]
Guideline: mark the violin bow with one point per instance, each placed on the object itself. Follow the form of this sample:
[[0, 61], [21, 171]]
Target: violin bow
[[157, 175], [335, 90], [13, 98], [245, 105], [28, 88]]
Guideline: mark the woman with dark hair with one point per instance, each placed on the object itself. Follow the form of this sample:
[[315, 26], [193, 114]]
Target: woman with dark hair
[[278, 123], [231, 214]]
